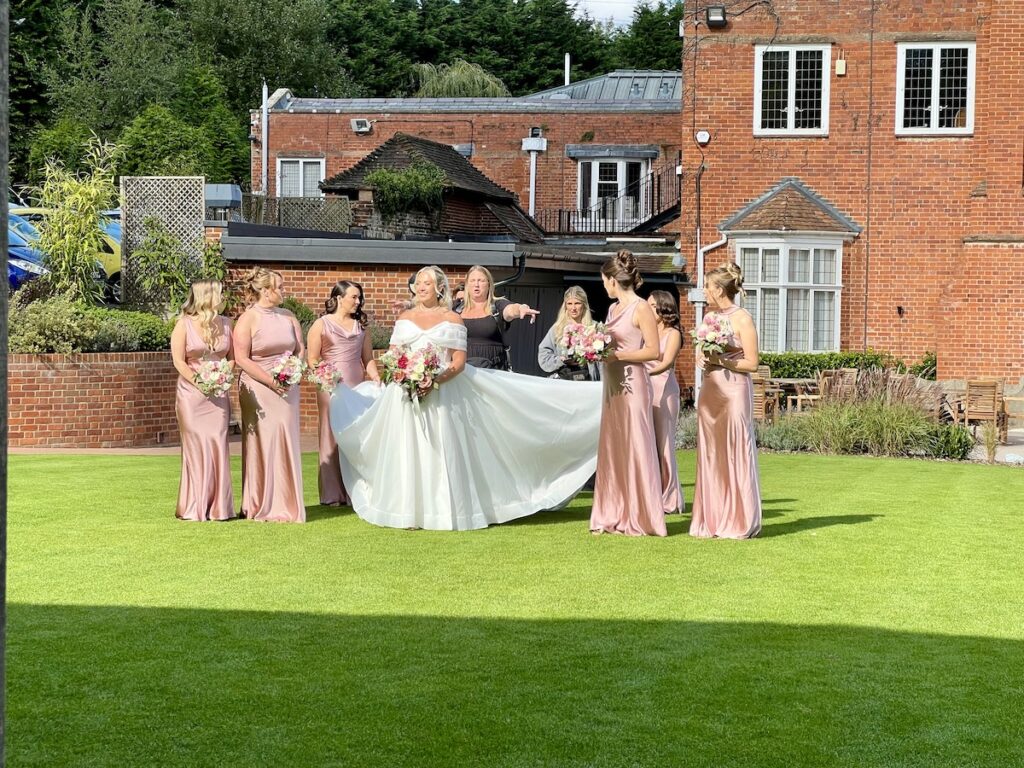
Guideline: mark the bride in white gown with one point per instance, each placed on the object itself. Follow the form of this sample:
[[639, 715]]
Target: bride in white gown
[[486, 447]]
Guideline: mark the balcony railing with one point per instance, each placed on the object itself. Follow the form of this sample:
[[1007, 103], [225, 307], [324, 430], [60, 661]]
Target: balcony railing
[[629, 211]]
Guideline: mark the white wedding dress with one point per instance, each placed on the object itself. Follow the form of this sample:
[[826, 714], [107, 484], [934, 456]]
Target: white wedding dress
[[486, 447]]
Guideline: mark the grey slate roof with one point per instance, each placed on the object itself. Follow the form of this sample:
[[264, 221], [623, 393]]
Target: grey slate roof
[[622, 85], [403, 150], [624, 90]]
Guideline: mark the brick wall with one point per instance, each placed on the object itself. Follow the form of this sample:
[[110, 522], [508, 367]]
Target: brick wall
[[92, 401], [497, 140], [917, 198]]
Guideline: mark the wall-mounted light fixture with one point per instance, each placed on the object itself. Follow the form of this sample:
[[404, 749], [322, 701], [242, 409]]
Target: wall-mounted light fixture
[[715, 16], [900, 311]]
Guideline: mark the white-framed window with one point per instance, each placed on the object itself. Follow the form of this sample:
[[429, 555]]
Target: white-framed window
[[299, 177], [934, 89], [612, 193], [794, 291], [791, 90]]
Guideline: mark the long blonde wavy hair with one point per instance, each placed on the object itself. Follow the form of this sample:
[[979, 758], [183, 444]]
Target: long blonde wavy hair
[[572, 292], [204, 303]]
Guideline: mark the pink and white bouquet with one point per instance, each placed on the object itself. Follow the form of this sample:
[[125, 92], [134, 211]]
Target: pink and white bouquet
[[714, 335], [214, 377], [413, 370], [288, 371], [325, 375], [584, 344]]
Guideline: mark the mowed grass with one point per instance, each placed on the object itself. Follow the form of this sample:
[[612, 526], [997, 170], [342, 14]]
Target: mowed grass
[[878, 622]]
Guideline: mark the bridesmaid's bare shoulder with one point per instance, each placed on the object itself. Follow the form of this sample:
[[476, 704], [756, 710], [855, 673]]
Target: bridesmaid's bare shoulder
[[742, 319]]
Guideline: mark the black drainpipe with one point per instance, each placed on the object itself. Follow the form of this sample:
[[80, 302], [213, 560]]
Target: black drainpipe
[[517, 276]]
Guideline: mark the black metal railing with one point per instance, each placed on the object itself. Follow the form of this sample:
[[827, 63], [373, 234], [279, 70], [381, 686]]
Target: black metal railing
[[638, 203]]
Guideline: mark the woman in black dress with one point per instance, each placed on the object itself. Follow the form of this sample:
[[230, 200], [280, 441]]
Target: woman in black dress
[[487, 318]]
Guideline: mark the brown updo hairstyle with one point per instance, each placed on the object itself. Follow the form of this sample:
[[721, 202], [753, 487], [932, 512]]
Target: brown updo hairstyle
[[623, 270], [666, 309], [338, 292], [256, 279], [728, 277]]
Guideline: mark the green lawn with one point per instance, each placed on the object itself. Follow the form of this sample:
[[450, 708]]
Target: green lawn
[[878, 622]]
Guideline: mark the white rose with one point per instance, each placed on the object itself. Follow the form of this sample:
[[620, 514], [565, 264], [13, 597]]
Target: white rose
[[598, 345]]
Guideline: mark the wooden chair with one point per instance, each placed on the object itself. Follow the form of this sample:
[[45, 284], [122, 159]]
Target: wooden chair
[[983, 402], [766, 404], [764, 371], [812, 396]]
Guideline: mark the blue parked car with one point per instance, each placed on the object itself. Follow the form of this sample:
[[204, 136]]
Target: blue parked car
[[24, 260]]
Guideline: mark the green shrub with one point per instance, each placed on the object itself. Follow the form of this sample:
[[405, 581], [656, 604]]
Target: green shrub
[[806, 365], [686, 430], [951, 441], [123, 331], [893, 429], [302, 313], [380, 335], [420, 187], [832, 428], [926, 367], [59, 325], [784, 434]]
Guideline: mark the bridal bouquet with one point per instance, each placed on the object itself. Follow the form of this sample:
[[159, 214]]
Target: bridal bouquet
[[325, 375], [412, 370], [288, 371], [714, 334], [214, 377], [584, 344]]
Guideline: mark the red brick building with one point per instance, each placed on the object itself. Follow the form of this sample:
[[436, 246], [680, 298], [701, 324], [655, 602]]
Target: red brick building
[[865, 162], [598, 139]]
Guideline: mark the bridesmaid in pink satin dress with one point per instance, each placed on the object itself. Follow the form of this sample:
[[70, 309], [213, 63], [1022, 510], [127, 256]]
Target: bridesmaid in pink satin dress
[[202, 334], [271, 454], [627, 494], [340, 338], [727, 496], [666, 398]]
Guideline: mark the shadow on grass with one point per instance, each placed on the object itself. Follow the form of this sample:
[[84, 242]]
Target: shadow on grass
[[810, 523], [326, 512], [119, 686]]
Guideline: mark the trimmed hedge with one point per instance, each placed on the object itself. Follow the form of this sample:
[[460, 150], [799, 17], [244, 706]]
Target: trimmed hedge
[[806, 365], [59, 325]]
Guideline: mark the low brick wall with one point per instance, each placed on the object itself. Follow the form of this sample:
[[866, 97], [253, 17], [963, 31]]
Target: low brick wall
[[115, 400]]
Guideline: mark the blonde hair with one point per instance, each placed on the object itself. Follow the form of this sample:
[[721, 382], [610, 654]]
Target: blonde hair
[[205, 301], [444, 295], [572, 292], [491, 298], [728, 277], [256, 279]]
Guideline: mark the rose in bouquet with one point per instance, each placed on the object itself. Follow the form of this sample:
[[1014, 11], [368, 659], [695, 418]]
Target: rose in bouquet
[[325, 375], [714, 335], [214, 377], [288, 371], [415, 371], [584, 344]]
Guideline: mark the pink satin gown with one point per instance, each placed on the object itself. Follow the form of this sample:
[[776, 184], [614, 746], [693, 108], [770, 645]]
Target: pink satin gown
[[727, 496], [666, 417], [344, 350], [205, 489], [271, 454], [627, 494]]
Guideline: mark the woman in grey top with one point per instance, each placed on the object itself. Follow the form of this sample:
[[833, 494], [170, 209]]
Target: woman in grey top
[[575, 309]]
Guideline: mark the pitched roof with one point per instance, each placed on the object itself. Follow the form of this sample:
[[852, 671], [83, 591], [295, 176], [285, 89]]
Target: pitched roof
[[403, 150], [516, 221], [789, 206]]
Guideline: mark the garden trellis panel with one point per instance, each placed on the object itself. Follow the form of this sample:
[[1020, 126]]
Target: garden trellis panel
[[177, 202]]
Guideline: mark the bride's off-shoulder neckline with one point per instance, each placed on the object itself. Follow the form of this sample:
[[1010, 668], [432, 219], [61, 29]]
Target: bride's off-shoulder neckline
[[421, 329]]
